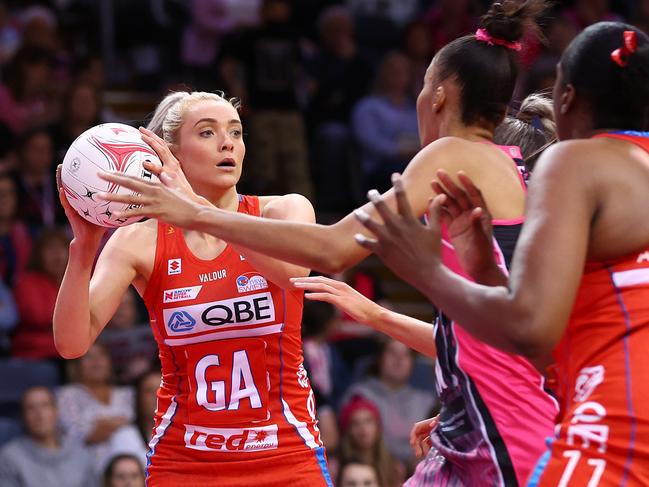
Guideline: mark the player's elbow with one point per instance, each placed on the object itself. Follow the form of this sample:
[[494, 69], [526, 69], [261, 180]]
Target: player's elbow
[[69, 346], [69, 351], [532, 339]]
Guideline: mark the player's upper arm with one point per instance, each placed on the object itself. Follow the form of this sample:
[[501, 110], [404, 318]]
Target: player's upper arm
[[115, 270], [551, 252]]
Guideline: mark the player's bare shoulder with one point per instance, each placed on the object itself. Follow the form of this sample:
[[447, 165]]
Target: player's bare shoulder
[[136, 243], [291, 206]]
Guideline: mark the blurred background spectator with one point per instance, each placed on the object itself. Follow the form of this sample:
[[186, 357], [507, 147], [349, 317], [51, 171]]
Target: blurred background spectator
[[35, 181], [36, 291], [124, 471], [385, 123], [400, 405], [357, 474], [99, 414], [15, 242], [41, 456], [146, 403], [130, 342], [363, 441]]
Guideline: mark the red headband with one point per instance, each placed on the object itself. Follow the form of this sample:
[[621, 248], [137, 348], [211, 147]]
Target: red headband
[[483, 36], [621, 56]]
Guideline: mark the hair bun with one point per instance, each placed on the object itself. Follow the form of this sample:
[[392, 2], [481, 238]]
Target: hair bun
[[508, 19]]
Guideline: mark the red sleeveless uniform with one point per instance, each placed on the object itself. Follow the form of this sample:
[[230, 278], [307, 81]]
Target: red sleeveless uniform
[[235, 407], [603, 375]]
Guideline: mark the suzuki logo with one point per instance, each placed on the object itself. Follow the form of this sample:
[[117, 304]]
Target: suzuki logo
[[181, 321], [174, 266]]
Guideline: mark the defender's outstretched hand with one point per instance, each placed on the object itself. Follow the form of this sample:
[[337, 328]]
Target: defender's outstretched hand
[[468, 225], [341, 295], [170, 173], [402, 242], [164, 200]]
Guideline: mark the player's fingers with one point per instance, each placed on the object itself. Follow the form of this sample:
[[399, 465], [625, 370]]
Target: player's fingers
[[325, 297], [473, 192], [129, 182], [129, 199], [403, 205], [133, 213], [365, 219], [369, 243], [451, 206], [153, 167], [454, 190], [389, 218], [435, 209], [314, 286], [59, 184]]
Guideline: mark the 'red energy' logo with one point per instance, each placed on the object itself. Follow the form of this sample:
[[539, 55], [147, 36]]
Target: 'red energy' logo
[[231, 440]]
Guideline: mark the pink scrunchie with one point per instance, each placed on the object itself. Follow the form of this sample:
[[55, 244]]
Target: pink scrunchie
[[483, 36]]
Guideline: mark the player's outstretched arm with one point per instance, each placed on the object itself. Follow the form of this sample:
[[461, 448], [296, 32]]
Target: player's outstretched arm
[[412, 332], [326, 248], [84, 304]]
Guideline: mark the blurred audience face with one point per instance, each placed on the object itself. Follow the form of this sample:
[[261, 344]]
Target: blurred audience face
[[83, 104], [147, 393], [125, 316], [40, 28], [276, 11], [40, 414], [418, 43], [95, 366], [395, 364], [37, 153], [127, 472], [54, 257], [336, 30], [394, 74], [358, 475], [363, 429], [8, 199]]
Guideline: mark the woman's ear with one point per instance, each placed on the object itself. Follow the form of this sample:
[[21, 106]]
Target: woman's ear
[[439, 99], [567, 99]]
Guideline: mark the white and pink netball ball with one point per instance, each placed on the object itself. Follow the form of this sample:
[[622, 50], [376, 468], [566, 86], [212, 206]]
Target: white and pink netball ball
[[106, 147]]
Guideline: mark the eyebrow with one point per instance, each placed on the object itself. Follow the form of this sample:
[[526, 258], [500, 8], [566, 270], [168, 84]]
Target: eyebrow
[[213, 120]]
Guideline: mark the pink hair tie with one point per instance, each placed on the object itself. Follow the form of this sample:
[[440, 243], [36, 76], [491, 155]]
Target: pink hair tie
[[621, 56], [483, 36]]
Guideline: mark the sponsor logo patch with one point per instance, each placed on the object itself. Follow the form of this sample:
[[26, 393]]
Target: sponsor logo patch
[[252, 309], [213, 276], [180, 321], [231, 440], [587, 380], [174, 266], [180, 294], [251, 282]]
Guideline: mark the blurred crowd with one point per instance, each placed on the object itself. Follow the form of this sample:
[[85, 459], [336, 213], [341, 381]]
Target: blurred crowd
[[328, 91]]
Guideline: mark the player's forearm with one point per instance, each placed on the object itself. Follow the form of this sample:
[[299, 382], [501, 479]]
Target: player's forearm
[[320, 247], [493, 314], [72, 320], [412, 332]]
